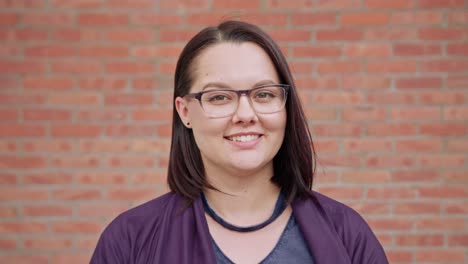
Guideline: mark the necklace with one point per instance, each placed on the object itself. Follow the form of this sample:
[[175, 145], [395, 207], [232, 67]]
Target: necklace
[[280, 206]]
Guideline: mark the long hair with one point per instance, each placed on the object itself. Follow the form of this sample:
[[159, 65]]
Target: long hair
[[294, 164]]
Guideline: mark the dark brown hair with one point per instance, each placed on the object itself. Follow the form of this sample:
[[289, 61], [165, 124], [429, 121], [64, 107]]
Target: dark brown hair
[[294, 164]]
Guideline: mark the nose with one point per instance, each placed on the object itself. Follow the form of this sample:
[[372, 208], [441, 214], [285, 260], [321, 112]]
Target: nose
[[245, 112]]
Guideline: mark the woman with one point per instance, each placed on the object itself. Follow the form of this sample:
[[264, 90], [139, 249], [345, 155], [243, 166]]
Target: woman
[[240, 169]]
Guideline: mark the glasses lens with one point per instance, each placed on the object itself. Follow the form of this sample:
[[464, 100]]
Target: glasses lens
[[268, 99], [218, 103]]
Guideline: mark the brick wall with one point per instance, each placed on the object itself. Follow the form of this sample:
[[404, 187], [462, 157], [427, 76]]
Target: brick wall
[[85, 110]]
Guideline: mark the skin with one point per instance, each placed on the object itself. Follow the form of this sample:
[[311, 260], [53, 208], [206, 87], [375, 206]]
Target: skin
[[243, 171]]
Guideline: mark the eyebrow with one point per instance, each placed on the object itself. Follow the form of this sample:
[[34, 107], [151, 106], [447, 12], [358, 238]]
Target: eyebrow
[[226, 86]]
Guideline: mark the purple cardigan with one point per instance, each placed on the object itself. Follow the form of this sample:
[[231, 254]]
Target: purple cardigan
[[160, 231]]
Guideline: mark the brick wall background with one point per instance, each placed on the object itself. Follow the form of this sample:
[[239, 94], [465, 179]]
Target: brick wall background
[[85, 110]]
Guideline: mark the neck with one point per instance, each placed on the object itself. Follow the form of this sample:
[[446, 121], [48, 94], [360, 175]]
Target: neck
[[243, 200]]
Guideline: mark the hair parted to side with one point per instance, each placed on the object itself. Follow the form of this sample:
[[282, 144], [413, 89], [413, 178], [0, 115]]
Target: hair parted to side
[[294, 164]]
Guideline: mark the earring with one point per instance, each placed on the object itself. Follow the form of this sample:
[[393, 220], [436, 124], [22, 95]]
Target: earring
[[188, 123]]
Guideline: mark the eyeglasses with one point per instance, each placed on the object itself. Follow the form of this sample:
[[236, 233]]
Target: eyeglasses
[[264, 99]]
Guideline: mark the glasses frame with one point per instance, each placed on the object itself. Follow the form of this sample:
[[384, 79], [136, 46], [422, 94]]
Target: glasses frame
[[239, 93]]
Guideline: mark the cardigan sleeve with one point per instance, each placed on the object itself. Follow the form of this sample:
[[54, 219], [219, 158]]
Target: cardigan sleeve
[[113, 245]]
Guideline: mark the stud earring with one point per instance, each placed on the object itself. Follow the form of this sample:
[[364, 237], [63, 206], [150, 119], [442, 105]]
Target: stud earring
[[188, 123]]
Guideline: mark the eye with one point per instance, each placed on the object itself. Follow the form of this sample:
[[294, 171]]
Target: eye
[[264, 95], [218, 97]]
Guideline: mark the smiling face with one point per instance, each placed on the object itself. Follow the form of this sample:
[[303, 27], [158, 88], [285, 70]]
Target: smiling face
[[246, 141]]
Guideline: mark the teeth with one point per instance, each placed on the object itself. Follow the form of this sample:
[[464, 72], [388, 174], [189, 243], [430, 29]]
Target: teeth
[[245, 138]]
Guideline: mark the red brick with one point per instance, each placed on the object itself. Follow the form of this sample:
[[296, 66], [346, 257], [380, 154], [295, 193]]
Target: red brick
[[157, 51], [331, 98], [441, 3], [390, 34], [47, 243], [73, 4], [10, 51], [344, 34], [292, 4], [336, 130], [391, 67], [47, 210], [71, 258], [152, 115], [76, 67], [75, 227], [31, 34], [102, 83], [454, 145], [7, 244], [364, 19], [443, 192], [457, 207], [18, 258], [458, 240], [384, 4], [132, 194], [46, 115], [76, 194], [47, 178], [420, 240], [131, 130], [151, 19], [75, 162], [415, 208], [337, 4], [8, 146], [180, 35], [400, 224], [18, 130], [380, 129], [164, 131], [418, 176], [21, 4], [456, 113], [131, 4], [67, 99], [8, 179], [442, 34], [363, 114], [22, 227], [390, 98], [321, 114], [102, 115], [458, 176], [22, 67], [102, 210], [47, 19], [314, 19], [102, 19], [326, 146], [23, 194], [50, 51], [458, 49], [339, 67], [236, 4], [382, 161], [367, 50], [8, 115], [139, 161], [316, 51], [130, 67], [323, 82], [358, 82], [442, 160], [415, 113], [133, 35], [417, 50], [342, 193], [366, 145], [104, 178], [47, 146], [369, 208], [417, 18], [75, 131], [444, 129], [76, 35], [48, 83], [9, 83], [440, 223], [442, 98], [300, 67], [419, 145], [150, 178], [334, 160], [21, 162], [8, 19], [184, 4], [367, 176], [458, 17], [290, 35], [129, 99], [167, 68], [107, 51]]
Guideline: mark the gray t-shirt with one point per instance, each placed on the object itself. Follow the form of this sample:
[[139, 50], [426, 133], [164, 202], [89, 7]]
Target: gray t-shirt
[[291, 248]]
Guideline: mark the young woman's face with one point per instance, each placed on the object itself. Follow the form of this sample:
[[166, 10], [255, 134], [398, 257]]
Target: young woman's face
[[245, 141]]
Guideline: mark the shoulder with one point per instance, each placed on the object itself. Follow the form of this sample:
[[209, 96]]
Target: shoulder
[[351, 228], [127, 231]]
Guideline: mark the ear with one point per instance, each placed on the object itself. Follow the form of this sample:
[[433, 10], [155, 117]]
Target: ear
[[182, 109]]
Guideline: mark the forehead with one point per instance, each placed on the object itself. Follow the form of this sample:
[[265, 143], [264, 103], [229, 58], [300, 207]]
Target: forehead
[[236, 64]]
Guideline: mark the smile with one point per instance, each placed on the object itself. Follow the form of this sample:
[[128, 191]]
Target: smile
[[243, 138]]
